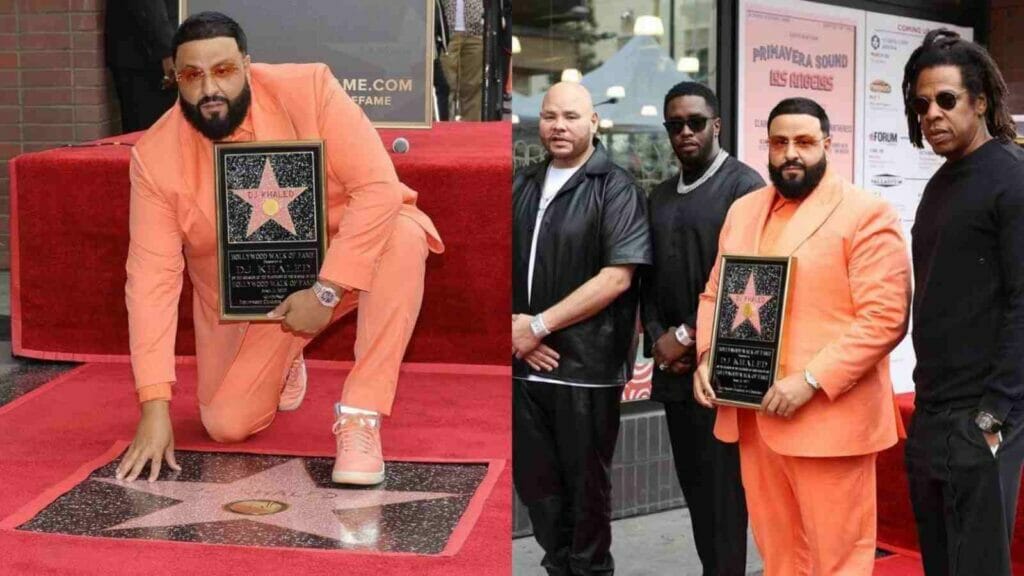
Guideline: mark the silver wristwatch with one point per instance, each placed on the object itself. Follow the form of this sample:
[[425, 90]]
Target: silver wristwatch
[[538, 327], [683, 335], [987, 423], [812, 380], [326, 295]]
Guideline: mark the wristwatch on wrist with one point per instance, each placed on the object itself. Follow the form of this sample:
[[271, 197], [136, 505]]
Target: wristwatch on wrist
[[683, 335], [987, 423], [326, 295], [811, 380], [538, 327]]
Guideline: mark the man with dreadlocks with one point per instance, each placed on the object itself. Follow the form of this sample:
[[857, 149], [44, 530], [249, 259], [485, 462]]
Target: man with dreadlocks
[[965, 449]]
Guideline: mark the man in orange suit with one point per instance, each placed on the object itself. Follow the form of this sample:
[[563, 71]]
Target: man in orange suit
[[807, 457], [376, 258]]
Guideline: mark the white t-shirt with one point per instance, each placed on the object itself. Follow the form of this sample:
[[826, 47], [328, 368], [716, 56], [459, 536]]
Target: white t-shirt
[[553, 182], [460, 15]]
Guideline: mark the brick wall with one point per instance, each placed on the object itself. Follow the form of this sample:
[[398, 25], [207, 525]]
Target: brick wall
[[1006, 43], [54, 87]]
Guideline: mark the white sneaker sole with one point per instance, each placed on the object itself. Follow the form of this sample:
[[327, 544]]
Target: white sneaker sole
[[358, 478]]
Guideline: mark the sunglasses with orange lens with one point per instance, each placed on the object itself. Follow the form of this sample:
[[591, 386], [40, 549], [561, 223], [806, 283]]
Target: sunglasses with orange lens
[[192, 76]]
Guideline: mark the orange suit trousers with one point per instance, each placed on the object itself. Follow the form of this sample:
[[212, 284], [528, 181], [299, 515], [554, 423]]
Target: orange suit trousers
[[809, 516], [245, 401]]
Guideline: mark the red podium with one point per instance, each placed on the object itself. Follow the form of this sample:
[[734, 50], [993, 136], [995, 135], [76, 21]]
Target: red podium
[[69, 242]]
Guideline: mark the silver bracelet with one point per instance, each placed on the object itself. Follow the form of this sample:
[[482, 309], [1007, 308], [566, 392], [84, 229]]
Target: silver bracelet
[[683, 336]]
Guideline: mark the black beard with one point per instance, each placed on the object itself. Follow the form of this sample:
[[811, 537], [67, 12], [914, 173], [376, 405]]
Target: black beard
[[797, 189], [222, 126]]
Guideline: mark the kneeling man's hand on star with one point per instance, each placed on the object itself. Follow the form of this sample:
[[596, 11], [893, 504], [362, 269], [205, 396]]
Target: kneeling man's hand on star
[[302, 312], [153, 443]]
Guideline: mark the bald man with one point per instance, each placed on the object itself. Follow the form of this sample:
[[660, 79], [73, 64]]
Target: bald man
[[579, 226]]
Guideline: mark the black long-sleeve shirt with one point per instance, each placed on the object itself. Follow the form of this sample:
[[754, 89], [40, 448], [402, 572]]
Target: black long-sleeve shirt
[[684, 232], [968, 315]]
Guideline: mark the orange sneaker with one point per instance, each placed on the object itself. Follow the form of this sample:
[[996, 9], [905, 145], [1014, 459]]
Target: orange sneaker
[[360, 460], [294, 386]]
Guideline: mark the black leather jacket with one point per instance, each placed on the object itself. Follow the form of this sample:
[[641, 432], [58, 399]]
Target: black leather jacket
[[598, 219]]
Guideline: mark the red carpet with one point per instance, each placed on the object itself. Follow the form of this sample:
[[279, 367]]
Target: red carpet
[[69, 212], [896, 528], [897, 565], [442, 412]]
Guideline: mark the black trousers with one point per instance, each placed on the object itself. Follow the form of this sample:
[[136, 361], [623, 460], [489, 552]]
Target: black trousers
[[964, 498], [142, 99], [709, 474], [563, 439]]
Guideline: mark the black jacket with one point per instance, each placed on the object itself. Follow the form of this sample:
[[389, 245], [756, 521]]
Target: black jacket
[[598, 219], [139, 32]]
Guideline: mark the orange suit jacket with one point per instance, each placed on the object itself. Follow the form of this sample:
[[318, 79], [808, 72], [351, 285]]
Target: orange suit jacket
[[173, 214], [849, 297]]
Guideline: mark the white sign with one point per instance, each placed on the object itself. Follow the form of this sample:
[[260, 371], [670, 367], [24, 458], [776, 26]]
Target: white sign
[[891, 167]]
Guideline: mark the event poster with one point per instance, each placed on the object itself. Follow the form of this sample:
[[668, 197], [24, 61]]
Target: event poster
[[798, 49], [892, 168]]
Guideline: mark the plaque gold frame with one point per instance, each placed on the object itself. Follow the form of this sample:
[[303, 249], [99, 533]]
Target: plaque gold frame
[[219, 193], [790, 262]]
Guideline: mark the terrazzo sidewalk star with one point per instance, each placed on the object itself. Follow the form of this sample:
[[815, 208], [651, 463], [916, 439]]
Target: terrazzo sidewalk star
[[284, 496], [270, 500]]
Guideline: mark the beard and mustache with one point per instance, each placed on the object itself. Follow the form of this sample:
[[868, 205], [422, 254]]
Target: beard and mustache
[[797, 188], [220, 126]]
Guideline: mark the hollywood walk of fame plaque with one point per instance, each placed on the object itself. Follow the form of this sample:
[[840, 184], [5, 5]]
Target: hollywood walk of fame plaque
[[266, 500], [271, 223], [746, 339]]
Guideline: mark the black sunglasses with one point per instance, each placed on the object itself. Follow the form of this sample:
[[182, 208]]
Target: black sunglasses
[[696, 124], [946, 100]]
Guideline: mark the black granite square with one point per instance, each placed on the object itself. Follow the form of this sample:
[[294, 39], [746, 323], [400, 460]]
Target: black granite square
[[269, 500], [27, 375], [288, 179]]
